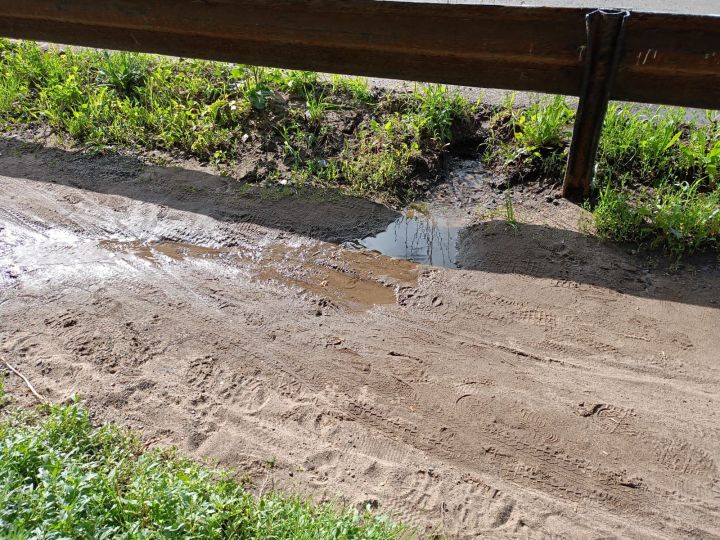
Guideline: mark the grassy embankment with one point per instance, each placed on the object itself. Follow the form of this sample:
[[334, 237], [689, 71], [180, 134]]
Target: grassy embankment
[[657, 182], [60, 477]]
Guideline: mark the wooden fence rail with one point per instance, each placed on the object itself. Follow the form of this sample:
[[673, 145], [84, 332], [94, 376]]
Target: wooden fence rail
[[597, 55]]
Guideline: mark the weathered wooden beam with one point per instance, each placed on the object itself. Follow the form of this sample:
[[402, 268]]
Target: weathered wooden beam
[[491, 46], [604, 46], [668, 58]]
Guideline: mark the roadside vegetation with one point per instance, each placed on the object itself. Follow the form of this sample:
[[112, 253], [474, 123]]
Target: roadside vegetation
[[657, 181], [290, 126], [61, 477]]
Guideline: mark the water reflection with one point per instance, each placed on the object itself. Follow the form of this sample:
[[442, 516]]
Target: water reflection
[[425, 239]]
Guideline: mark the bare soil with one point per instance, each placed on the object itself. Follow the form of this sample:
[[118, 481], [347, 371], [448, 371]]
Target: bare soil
[[554, 386]]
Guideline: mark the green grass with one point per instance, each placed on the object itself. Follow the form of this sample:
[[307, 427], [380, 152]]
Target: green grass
[[381, 158], [435, 111], [643, 144], [544, 124], [62, 478], [308, 127], [531, 142], [510, 217], [640, 147], [657, 182], [355, 87], [678, 218]]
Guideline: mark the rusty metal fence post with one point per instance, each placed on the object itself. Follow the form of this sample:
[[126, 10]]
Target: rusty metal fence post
[[602, 54]]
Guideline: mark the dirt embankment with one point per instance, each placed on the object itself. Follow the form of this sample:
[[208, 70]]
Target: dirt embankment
[[553, 386]]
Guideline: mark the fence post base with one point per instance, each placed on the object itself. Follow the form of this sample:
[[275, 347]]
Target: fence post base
[[604, 44]]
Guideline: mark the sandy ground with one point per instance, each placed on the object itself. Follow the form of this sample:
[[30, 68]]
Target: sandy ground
[[554, 387]]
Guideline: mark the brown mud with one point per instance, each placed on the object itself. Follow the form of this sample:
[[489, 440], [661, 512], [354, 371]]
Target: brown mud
[[554, 386]]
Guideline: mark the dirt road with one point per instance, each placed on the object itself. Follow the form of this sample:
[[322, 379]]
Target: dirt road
[[554, 386]]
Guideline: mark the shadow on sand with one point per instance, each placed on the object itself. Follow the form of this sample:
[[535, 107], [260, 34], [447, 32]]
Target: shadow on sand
[[568, 257], [326, 215], [573, 259]]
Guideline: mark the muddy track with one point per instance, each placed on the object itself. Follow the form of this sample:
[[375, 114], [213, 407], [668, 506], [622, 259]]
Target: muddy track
[[553, 386]]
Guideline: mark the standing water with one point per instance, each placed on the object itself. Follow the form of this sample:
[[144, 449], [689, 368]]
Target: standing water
[[431, 237], [427, 239]]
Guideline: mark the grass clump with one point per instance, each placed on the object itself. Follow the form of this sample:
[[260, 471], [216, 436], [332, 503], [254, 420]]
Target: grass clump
[[678, 218], [382, 157], [396, 153], [62, 478], [295, 126], [543, 131], [435, 112], [641, 144], [545, 124], [651, 147], [531, 142], [355, 87], [657, 171], [658, 180]]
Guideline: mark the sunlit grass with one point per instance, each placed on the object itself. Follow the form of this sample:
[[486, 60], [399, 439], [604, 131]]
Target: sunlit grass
[[676, 217], [215, 112]]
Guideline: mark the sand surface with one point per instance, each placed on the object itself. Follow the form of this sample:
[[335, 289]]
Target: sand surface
[[554, 386]]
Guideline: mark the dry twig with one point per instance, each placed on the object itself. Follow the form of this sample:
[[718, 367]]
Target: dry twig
[[27, 382]]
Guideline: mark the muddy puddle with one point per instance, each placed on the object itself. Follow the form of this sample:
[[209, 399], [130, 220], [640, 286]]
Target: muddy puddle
[[334, 287], [155, 251], [355, 280], [426, 238], [430, 236], [359, 278]]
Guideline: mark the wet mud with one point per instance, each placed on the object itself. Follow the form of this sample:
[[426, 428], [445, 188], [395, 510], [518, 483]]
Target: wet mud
[[552, 386]]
